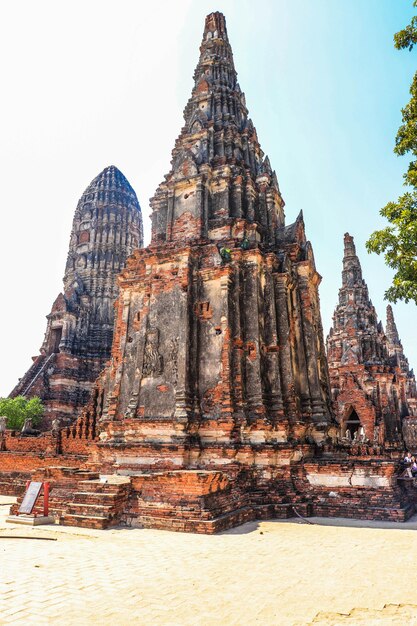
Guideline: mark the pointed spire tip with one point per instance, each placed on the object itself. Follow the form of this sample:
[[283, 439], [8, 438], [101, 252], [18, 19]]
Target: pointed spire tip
[[215, 26], [349, 243]]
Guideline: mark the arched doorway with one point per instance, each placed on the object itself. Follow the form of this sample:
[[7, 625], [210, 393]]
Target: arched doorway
[[352, 423], [54, 340]]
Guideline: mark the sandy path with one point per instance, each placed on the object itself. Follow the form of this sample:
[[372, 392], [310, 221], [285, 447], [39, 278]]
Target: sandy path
[[267, 573]]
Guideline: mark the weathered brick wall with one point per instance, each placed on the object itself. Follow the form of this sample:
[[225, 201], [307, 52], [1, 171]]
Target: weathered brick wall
[[13, 483], [14, 442], [28, 461], [355, 488]]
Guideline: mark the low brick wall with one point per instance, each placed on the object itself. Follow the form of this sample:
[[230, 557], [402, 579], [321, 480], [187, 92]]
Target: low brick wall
[[12, 461], [356, 488], [13, 483], [43, 444]]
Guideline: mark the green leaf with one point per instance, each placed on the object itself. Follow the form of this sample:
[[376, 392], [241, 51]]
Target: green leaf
[[398, 241], [18, 409]]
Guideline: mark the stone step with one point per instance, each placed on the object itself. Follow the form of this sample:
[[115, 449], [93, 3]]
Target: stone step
[[101, 506], [98, 494], [87, 521], [88, 505], [81, 508], [98, 487], [93, 496]]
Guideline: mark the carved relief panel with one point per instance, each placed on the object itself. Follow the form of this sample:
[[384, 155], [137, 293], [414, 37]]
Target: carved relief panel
[[152, 360]]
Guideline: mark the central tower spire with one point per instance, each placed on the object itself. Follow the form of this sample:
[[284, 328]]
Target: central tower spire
[[219, 182], [218, 340]]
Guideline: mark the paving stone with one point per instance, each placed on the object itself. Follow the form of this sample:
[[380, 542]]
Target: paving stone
[[293, 574]]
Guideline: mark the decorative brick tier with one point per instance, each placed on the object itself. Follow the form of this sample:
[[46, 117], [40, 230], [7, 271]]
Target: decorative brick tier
[[197, 501]]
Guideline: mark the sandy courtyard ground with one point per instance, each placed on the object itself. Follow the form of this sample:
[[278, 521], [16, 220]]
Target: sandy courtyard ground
[[278, 573]]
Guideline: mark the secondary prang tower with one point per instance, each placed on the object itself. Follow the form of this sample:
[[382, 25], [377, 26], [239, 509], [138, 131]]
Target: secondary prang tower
[[107, 227], [372, 385]]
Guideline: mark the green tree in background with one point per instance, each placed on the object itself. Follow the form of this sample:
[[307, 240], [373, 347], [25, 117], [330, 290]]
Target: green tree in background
[[18, 409], [398, 241]]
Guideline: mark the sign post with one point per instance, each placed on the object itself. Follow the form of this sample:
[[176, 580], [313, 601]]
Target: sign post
[[25, 514], [33, 490], [45, 499]]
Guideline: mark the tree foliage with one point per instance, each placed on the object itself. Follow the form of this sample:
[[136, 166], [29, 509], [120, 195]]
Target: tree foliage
[[18, 409], [398, 241]]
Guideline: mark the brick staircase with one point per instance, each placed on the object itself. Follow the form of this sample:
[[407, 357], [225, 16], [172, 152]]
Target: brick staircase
[[31, 376], [97, 504]]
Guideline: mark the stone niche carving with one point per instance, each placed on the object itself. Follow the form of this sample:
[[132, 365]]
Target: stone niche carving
[[152, 360], [174, 359]]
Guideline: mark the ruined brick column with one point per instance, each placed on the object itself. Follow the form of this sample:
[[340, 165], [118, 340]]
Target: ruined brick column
[[308, 287], [285, 352], [270, 353]]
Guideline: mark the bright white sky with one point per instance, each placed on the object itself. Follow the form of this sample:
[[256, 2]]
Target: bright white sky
[[90, 83]]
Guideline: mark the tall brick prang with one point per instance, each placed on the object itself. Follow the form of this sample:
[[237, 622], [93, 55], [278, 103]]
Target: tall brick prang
[[107, 227], [218, 338]]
